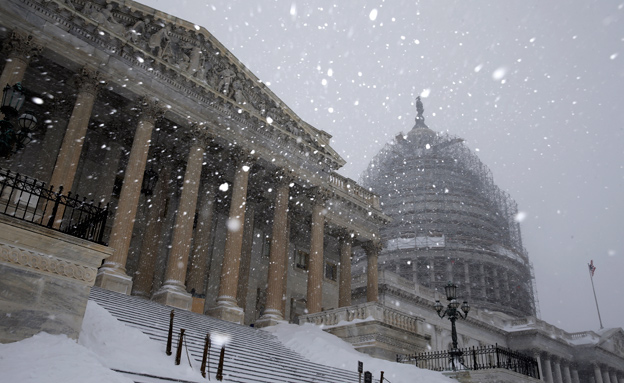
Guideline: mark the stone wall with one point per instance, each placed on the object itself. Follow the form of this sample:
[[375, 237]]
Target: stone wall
[[496, 375], [45, 280]]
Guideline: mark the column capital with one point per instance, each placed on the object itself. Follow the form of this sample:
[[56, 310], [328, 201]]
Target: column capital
[[319, 194], [88, 80], [151, 109], [284, 177], [199, 132], [373, 246], [546, 355], [242, 156], [345, 235], [22, 46]]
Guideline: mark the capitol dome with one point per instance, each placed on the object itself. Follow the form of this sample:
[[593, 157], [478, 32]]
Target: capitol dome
[[450, 222]]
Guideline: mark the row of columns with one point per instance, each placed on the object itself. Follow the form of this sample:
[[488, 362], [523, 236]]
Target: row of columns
[[556, 370], [605, 374], [112, 274], [559, 370]]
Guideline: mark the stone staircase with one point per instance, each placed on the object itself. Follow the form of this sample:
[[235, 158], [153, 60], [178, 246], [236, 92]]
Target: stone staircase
[[251, 355]]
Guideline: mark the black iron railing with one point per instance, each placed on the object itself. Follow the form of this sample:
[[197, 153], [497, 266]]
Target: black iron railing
[[474, 359], [28, 199]]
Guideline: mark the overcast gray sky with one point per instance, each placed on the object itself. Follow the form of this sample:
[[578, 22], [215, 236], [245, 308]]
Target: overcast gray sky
[[535, 87]]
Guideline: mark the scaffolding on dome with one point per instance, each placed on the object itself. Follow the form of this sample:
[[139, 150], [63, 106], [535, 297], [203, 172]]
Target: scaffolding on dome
[[445, 205]]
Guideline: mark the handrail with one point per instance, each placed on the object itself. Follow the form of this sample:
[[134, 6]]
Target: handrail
[[475, 358]]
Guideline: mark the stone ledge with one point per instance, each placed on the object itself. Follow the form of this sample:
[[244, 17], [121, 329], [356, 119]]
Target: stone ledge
[[45, 279]]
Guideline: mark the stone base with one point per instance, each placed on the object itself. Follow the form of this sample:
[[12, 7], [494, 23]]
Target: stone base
[[379, 339], [267, 320], [495, 375], [113, 280], [228, 312], [45, 279], [174, 296], [198, 305]]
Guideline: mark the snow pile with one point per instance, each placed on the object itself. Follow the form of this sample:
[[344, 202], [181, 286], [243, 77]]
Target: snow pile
[[104, 344], [53, 359], [323, 348], [121, 347]]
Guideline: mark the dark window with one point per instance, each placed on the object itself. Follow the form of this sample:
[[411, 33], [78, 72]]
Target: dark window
[[301, 259], [331, 271]]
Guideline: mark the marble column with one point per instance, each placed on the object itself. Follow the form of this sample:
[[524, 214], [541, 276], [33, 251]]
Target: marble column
[[287, 263], [277, 257], [556, 365], [606, 378], [173, 291], [245, 263], [69, 154], [316, 261], [156, 205], [201, 240], [567, 376], [20, 50], [575, 375], [75, 134], [431, 272], [372, 249], [226, 307], [620, 377], [496, 284], [547, 369], [597, 373], [537, 356], [614, 378], [482, 279], [467, 279], [344, 286], [112, 275]]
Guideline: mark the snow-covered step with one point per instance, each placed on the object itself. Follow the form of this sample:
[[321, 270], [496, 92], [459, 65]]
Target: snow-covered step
[[251, 355]]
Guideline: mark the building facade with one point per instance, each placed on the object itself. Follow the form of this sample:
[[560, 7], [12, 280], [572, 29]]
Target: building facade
[[221, 199]]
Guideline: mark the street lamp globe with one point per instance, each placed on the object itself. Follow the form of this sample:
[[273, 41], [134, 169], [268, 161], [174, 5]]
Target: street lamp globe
[[465, 307], [451, 291]]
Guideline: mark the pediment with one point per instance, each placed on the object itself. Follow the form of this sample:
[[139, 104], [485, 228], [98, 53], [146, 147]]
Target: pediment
[[189, 54], [613, 341]]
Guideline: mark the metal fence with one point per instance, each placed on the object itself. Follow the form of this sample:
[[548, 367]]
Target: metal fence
[[474, 358], [28, 199]]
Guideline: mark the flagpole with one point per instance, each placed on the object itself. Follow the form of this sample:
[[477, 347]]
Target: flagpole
[[591, 277]]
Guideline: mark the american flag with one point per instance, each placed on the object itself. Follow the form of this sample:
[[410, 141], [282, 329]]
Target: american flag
[[592, 268]]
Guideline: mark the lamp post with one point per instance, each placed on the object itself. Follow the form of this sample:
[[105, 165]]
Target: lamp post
[[452, 313], [12, 139]]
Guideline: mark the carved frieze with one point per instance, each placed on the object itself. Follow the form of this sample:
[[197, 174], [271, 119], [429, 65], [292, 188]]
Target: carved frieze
[[195, 62], [46, 264]]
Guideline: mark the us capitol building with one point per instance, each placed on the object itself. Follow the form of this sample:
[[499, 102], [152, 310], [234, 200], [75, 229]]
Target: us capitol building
[[161, 167]]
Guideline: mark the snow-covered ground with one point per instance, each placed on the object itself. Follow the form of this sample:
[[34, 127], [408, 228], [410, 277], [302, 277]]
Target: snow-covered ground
[[320, 347], [106, 344]]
